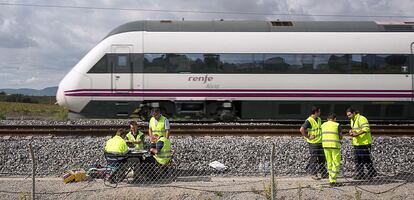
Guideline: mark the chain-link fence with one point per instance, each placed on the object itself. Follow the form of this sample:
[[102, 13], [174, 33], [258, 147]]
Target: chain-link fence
[[145, 171], [356, 175], [351, 173]]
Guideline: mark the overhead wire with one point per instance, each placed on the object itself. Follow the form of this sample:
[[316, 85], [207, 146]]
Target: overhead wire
[[202, 12]]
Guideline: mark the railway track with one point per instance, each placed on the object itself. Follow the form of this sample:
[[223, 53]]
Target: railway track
[[295, 121], [213, 129]]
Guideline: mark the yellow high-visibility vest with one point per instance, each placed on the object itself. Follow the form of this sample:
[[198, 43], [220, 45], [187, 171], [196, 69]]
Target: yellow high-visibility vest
[[132, 138], [330, 135], [164, 155], [158, 129], [315, 130], [116, 145], [358, 123]]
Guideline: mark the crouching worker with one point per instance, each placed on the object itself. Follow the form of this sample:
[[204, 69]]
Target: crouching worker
[[331, 136], [162, 150], [115, 150], [160, 156]]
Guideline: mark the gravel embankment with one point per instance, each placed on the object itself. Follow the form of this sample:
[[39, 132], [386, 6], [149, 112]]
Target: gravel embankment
[[243, 155]]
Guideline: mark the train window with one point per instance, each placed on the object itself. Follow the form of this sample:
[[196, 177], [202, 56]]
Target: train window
[[320, 63], [235, 63], [339, 64], [210, 64], [199, 63], [283, 63], [258, 63], [181, 63], [155, 63], [358, 66], [178, 63], [137, 60], [174, 62], [121, 63], [386, 64], [275, 63], [395, 63], [101, 66], [196, 63]]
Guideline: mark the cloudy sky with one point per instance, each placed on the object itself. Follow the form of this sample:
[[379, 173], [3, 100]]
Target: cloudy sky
[[40, 41]]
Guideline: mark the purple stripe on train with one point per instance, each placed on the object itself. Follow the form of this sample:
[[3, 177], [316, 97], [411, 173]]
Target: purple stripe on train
[[226, 90], [142, 94]]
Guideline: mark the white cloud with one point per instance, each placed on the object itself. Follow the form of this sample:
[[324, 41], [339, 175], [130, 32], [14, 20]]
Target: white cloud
[[32, 80]]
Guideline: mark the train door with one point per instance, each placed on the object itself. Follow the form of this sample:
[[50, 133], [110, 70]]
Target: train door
[[122, 78], [411, 70]]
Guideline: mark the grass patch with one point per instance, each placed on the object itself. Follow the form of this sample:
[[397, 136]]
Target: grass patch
[[2, 115], [267, 188], [19, 98], [62, 114], [358, 195], [218, 193], [31, 110]]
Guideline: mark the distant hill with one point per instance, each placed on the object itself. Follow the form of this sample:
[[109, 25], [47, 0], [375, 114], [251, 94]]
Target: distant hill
[[49, 91]]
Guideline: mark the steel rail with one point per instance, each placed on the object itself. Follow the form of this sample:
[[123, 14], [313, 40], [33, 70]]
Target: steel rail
[[196, 130], [189, 126]]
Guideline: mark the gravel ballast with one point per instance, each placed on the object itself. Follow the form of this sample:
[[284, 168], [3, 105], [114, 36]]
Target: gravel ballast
[[243, 155]]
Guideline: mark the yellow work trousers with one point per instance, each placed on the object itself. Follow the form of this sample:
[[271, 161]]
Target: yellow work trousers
[[333, 160]]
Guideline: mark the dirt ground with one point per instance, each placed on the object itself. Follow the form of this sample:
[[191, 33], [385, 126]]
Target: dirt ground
[[208, 188]]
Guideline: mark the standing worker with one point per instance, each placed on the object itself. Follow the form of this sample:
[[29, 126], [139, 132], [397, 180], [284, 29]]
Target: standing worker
[[135, 136], [331, 136], [159, 125], [311, 130], [361, 140]]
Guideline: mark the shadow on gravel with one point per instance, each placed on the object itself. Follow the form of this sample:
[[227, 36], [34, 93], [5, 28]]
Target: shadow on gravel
[[169, 176]]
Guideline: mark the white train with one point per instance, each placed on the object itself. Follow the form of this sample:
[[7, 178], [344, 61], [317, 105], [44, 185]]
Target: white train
[[245, 69]]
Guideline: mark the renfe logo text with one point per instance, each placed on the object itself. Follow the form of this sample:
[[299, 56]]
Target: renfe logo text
[[202, 78]]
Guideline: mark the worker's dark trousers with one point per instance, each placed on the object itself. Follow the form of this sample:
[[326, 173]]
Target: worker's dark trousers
[[362, 156], [135, 164], [151, 169], [317, 162], [119, 170]]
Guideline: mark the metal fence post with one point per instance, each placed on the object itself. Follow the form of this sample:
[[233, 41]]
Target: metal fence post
[[33, 171], [272, 189]]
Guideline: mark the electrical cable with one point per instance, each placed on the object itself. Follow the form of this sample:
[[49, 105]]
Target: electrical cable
[[202, 12]]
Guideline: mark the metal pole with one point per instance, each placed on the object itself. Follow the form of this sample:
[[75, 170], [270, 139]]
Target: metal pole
[[272, 189], [33, 171]]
